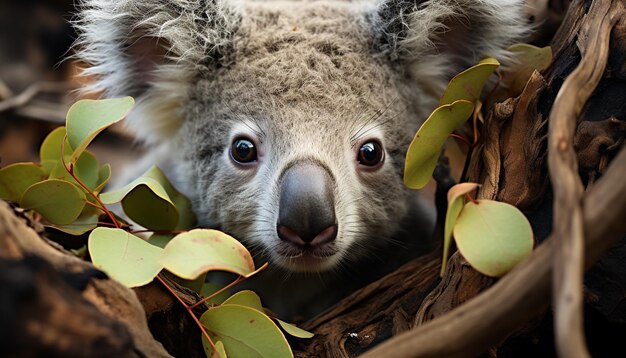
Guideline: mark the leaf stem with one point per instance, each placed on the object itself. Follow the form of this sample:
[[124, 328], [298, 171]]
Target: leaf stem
[[462, 139], [236, 281], [70, 170], [189, 310]]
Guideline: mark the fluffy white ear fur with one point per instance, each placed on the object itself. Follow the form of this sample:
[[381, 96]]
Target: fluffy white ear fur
[[150, 49], [440, 37]]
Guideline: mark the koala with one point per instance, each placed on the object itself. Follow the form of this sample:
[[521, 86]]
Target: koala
[[287, 122]]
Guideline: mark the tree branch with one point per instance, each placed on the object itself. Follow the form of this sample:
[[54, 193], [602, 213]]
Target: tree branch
[[493, 315], [568, 260]]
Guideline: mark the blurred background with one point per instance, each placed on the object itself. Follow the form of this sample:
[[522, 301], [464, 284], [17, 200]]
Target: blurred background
[[39, 81]]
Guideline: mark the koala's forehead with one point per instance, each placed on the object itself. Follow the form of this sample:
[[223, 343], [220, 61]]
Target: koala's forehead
[[305, 58]]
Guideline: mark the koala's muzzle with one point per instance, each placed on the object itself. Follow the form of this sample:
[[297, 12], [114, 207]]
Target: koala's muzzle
[[307, 208]]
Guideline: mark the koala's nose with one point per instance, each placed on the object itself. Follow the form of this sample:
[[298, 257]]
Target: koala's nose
[[307, 207]]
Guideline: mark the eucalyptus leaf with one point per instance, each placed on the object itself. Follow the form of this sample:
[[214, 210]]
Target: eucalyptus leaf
[[86, 169], [104, 174], [160, 240], [455, 204], [493, 236], [87, 118], [193, 253], [123, 256], [58, 201], [219, 349], [293, 330], [86, 222], [245, 332], [468, 84], [245, 298], [528, 59], [209, 289], [16, 178], [421, 158], [153, 202], [51, 149]]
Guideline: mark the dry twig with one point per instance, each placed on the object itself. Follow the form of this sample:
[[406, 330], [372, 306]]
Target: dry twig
[[568, 261]]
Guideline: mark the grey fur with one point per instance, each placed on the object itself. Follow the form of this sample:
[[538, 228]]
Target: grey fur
[[307, 80]]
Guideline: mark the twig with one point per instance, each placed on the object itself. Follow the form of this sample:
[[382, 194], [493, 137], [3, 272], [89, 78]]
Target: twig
[[486, 320], [5, 91], [189, 311], [568, 260], [31, 91]]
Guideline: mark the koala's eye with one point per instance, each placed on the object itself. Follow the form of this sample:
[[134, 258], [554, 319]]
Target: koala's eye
[[243, 151], [370, 154]]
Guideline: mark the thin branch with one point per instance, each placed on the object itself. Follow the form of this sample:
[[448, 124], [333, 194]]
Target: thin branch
[[189, 311], [521, 295], [568, 260], [31, 91]]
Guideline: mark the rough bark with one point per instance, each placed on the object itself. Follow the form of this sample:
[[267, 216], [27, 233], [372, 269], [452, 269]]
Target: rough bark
[[55, 304]]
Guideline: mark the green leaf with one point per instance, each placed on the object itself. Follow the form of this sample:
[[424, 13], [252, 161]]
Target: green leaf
[[468, 84], [16, 178], [529, 58], [493, 236], [87, 118], [86, 169], [455, 204], [104, 174], [209, 289], [245, 298], [153, 202], [245, 332], [293, 330], [421, 158], [57, 201], [193, 253], [219, 347], [87, 221], [123, 256], [250, 299], [50, 149], [160, 240]]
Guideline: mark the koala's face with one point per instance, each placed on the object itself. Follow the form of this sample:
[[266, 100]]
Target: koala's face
[[291, 120], [298, 146]]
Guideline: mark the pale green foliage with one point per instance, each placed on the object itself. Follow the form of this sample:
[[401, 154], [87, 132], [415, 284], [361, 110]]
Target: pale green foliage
[[56, 200], [423, 153], [493, 236], [455, 107], [16, 178], [468, 84], [153, 202], [294, 330], [193, 253], [245, 298], [125, 257], [245, 332], [67, 179], [52, 146], [219, 349], [529, 59], [455, 204], [87, 118]]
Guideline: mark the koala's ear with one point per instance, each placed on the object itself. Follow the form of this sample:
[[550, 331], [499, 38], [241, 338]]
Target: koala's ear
[[449, 34], [151, 49]]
